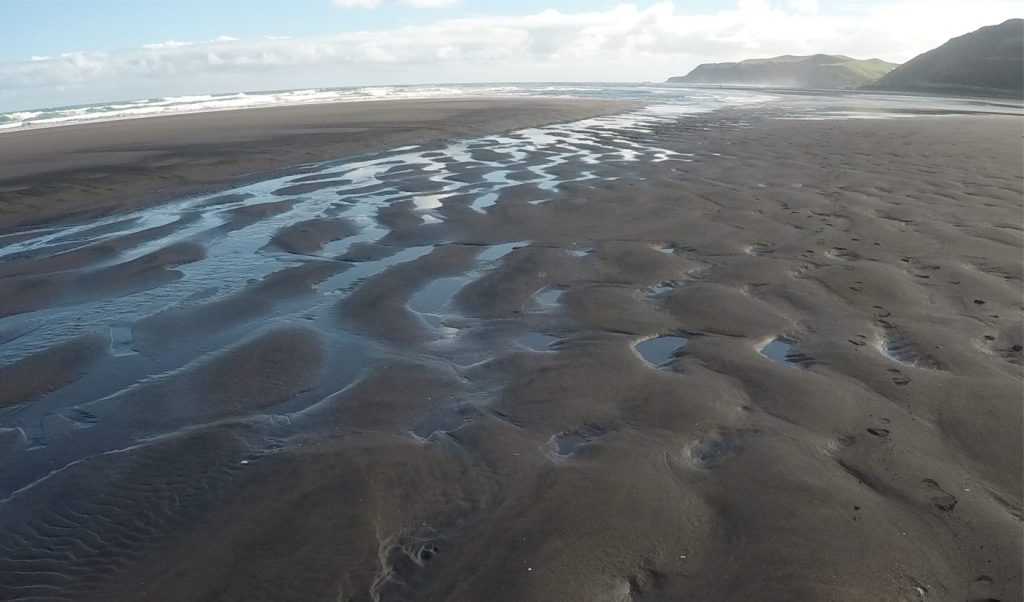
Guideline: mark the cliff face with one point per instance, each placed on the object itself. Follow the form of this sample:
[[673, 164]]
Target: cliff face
[[815, 71], [987, 61]]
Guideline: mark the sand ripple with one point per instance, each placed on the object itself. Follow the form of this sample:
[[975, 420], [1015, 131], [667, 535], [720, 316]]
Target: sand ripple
[[414, 374]]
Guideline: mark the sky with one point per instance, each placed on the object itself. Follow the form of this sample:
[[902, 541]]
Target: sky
[[57, 53]]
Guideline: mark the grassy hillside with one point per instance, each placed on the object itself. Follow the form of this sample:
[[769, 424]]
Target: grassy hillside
[[987, 61], [815, 71]]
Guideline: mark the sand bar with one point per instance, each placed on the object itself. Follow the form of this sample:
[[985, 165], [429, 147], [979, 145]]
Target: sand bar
[[82, 171]]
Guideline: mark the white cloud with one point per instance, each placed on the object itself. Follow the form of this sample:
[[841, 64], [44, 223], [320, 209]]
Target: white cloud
[[804, 6], [167, 44], [624, 43]]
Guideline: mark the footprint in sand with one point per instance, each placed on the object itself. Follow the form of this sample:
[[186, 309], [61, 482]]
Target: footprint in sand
[[918, 269], [759, 249], [898, 378], [403, 568], [81, 418], [537, 341], [979, 589], [428, 552], [842, 254], [580, 250], [661, 289], [860, 341], [982, 265], [783, 350], [567, 444], [700, 274], [898, 348], [803, 270], [938, 496], [548, 298], [660, 351], [715, 448], [122, 339]]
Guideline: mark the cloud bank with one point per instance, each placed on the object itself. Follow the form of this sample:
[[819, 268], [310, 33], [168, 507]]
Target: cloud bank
[[624, 43]]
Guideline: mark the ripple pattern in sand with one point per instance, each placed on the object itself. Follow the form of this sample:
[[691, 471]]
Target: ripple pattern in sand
[[146, 324], [415, 375]]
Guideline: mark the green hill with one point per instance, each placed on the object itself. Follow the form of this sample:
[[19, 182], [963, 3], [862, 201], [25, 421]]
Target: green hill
[[987, 61], [815, 71]]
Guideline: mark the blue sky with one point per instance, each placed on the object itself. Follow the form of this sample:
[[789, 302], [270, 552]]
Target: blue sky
[[51, 27], [56, 53]]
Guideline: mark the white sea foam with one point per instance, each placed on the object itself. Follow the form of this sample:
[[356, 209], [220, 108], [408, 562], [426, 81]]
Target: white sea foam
[[668, 98], [131, 109], [240, 100]]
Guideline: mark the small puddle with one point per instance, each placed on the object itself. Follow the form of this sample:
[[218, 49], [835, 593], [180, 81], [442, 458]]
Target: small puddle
[[783, 350], [122, 340], [660, 350], [498, 176], [363, 270], [537, 341], [661, 289], [437, 295], [430, 201], [18, 330], [580, 250], [82, 419], [549, 297], [484, 201], [498, 251]]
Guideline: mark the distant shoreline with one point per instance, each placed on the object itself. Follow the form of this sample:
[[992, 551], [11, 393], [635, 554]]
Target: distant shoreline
[[994, 99], [95, 112], [128, 110]]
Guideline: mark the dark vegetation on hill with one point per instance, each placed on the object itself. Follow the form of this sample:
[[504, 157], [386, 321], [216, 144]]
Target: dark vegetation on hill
[[821, 71], [987, 61]]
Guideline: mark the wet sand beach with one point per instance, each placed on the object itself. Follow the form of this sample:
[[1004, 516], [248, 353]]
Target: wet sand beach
[[582, 352], [90, 170]]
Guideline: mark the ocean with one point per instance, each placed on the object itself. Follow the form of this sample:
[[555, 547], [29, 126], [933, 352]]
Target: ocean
[[151, 107]]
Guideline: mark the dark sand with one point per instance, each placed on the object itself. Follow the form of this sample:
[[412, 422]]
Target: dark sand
[[84, 171], [308, 435]]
